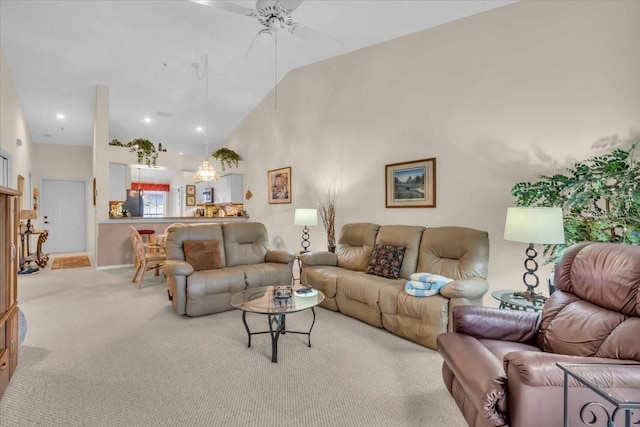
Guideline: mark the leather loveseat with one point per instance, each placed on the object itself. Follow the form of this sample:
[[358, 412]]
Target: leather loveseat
[[501, 365], [458, 253], [207, 263]]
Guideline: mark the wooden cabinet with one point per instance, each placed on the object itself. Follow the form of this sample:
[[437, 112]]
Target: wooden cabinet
[[8, 285]]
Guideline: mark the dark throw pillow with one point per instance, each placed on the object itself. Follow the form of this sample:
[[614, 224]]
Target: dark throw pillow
[[386, 261], [202, 254]]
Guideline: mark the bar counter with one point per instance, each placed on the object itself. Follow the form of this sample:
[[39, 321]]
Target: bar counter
[[114, 235]]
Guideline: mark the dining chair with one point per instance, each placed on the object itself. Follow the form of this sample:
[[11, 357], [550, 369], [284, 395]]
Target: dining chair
[[162, 238], [148, 256]]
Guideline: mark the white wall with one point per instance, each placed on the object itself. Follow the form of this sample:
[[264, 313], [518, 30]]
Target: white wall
[[497, 98], [13, 126]]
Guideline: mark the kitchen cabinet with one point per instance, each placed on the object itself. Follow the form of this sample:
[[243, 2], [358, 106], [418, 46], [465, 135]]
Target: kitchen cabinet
[[8, 285], [229, 189], [118, 182]]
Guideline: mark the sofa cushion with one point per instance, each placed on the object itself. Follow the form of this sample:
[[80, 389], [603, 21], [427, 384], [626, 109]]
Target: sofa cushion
[[403, 236], [355, 245], [245, 243], [177, 235], [202, 254], [455, 252], [386, 261]]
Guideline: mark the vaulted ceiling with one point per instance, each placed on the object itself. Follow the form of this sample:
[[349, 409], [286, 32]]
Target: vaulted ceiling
[[152, 56]]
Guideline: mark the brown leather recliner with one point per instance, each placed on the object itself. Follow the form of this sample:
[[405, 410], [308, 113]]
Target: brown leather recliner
[[500, 365]]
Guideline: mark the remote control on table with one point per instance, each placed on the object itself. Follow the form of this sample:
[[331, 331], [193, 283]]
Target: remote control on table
[[305, 290]]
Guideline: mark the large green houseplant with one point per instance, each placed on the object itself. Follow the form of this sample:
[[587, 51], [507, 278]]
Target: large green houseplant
[[600, 199]]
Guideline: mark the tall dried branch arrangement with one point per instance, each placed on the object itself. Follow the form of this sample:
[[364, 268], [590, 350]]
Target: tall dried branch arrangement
[[327, 207]]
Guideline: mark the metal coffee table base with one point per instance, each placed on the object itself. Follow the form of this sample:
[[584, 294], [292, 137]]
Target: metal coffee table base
[[277, 327]]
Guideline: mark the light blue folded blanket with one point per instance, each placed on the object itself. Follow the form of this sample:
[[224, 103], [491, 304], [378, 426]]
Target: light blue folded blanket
[[428, 286]]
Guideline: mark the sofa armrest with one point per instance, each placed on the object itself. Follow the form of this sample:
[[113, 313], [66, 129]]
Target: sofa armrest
[[319, 258], [538, 369], [279, 255], [176, 267], [479, 372], [495, 323], [469, 288]]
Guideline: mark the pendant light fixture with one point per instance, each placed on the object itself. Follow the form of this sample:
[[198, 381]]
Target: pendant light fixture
[[206, 171]]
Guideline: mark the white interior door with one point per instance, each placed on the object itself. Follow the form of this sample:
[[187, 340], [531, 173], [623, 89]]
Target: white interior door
[[63, 213]]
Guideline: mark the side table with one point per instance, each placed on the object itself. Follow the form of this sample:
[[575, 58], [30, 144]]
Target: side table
[[26, 256], [616, 393], [509, 299]]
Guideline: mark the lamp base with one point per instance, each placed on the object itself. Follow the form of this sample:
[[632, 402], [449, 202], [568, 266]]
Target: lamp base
[[531, 266], [305, 240]]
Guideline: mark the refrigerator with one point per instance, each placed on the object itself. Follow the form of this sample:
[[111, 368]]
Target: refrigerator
[[134, 203]]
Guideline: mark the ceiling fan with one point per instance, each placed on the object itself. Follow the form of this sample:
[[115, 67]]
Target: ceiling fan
[[273, 15]]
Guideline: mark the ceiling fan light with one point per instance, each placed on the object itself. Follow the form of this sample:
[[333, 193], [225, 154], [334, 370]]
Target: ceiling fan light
[[206, 173], [274, 24]]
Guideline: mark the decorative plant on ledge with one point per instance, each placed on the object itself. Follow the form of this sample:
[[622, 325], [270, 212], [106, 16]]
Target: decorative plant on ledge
[[146, 151], [600, 199], [327, 208], [226, 157]]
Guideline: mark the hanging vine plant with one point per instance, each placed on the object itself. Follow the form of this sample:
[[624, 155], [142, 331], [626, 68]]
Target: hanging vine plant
[[145, 150], [226, 157]]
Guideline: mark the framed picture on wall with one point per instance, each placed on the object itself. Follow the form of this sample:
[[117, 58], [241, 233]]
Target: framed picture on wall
[[191, 190], [279, 185], [411, 184], [191, 200]]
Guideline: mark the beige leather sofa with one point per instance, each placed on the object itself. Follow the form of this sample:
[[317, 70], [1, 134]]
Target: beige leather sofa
[[242, 260], [458, 253]]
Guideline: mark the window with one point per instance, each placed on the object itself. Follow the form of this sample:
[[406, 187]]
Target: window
[[154, 204]]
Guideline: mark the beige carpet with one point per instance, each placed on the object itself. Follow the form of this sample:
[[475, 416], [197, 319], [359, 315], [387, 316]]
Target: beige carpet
[[99, 352], [70, 262]]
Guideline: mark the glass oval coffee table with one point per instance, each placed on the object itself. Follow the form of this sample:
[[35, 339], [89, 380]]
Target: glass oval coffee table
[[263, 300]]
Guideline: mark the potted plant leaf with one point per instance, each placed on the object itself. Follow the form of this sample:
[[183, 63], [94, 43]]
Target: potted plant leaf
[[599, 196], [226, 157], [145, 150]]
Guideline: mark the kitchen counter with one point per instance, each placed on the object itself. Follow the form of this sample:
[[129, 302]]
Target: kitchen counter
[[170, 220], [114, 235]]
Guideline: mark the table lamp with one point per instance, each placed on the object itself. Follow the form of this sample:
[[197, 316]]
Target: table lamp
[[28, 215], [533, 225], [305, 217]]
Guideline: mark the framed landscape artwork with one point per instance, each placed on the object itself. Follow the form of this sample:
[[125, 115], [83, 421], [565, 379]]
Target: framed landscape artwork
[[279, 185], [411, 184]]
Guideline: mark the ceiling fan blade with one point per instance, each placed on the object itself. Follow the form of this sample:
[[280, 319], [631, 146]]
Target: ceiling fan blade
[[290, 5], [313, 36], [226, 5]]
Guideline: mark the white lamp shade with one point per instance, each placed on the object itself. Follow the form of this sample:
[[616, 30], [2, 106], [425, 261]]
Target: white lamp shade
[[306, 217], [534, 225]]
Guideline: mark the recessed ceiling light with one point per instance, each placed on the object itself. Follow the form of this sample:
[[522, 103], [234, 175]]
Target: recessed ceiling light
[[60, 116], [200, 129], [180, 153], [147, 119]]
